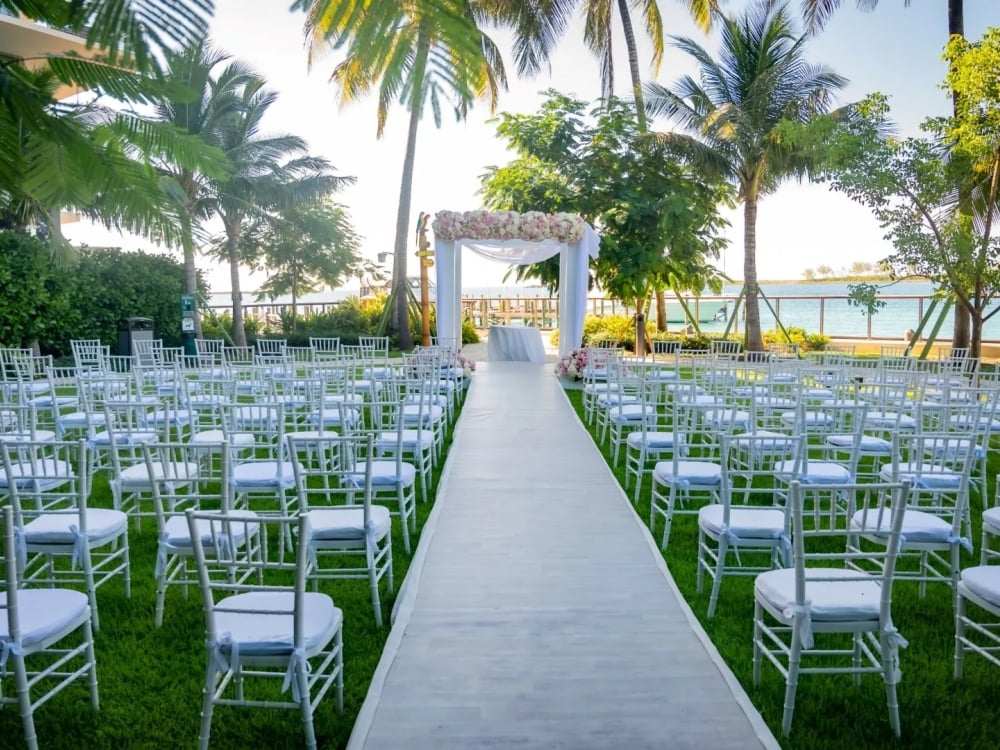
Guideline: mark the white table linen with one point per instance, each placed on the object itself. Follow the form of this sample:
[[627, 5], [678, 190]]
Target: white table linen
[[515, 344]]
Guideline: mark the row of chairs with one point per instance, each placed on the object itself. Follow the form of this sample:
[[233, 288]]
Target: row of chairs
[[333, 474], [774, 459]]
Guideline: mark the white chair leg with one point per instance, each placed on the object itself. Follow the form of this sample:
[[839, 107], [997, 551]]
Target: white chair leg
[[792, 681], [207, 705]]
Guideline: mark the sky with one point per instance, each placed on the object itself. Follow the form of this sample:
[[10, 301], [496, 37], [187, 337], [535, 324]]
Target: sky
[[894, 49]]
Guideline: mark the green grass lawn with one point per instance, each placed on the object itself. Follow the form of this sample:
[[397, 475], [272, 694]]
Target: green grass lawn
[[936, 711], [150, 679]]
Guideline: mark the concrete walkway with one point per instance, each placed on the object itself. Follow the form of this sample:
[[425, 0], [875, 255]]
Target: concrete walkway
[[538, 612]]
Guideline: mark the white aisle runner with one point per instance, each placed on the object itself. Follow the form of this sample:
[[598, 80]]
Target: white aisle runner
[[538, 613]]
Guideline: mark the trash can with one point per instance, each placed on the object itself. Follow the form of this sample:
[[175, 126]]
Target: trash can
[[131, 330]]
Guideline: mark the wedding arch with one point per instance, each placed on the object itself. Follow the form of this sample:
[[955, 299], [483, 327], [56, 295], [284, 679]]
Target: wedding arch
[[517, 239]]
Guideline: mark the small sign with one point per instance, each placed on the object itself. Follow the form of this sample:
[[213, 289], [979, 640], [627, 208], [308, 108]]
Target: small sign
[[187, 325], [188, 306], [425, 253]]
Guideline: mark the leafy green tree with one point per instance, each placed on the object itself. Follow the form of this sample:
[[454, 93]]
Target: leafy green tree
[[29, 299], [910, 184], [210, 102], [538, 27], [269, 172], [659, 224], [817, 12], [308, 247], [417, 53], [85, 156], [731, 114]]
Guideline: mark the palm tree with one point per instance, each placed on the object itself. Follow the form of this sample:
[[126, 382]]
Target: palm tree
[[268, 172], [86, 156], [209, 102], [537, 30], [414, 52], [760, 78], [817, 13]]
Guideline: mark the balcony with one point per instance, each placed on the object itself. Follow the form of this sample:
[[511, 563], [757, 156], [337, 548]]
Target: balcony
[[31, 42]]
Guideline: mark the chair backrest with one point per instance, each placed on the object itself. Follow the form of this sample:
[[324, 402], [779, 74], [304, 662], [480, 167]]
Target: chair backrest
[[272, 346], [938, 465], [89, 354], [18, 422], [748, 463], [237, 555], [185, 484], [725, 346], [41, 476], [818, 548], [324, 346], [327, 471]]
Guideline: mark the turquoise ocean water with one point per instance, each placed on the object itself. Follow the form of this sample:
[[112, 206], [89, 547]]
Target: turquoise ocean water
[[797, 304]]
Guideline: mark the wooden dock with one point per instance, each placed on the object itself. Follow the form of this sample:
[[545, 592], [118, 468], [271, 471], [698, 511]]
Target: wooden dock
[[538, 613]]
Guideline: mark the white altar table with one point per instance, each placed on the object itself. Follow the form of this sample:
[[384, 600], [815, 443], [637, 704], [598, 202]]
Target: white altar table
[[515, 344]]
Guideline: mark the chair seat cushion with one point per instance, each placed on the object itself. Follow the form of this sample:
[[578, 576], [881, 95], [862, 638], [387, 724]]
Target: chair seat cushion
[[430, 413], [702, 473], [991, 520], [817, 472], [727, 418], [924, 476], [654, 441], [47, 402], [384, 474], [235, 439], [263, 474], [887, 420], [346, 523], [811, 419], [744, 522], [411, 440], [830, 601], [45, 614], [267, 628], [54, 528], [630, 413], [984, 582], [47, 474], [140, 437], [779, 442], [40, 436], [919, 526], [177, 470], [177, 534], [870, 444]]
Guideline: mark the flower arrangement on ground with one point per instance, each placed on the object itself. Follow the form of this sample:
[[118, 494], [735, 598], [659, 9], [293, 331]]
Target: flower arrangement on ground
[[532, 226], [573, 364], [467, 364]]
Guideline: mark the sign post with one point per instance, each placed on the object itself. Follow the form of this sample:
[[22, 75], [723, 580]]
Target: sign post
[[189, 309]]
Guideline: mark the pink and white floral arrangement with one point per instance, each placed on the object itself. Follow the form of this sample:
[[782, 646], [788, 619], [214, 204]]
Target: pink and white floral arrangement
[[573, 364], [533, 226], [467, 364]]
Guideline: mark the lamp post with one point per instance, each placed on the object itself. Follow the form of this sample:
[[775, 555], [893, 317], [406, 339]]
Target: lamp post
[[426, 256]]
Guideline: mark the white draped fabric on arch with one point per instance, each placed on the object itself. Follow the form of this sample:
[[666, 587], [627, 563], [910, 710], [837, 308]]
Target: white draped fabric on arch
[[574, 260]]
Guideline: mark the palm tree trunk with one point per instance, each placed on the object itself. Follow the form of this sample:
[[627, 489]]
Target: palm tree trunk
[[640, 117], [753, 341], [633, 64], [401, 296], [295, 298], [239, 327], [956, 26], [191, 282]]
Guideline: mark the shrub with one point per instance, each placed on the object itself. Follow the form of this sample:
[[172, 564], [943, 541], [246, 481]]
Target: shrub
[[806, 341]]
